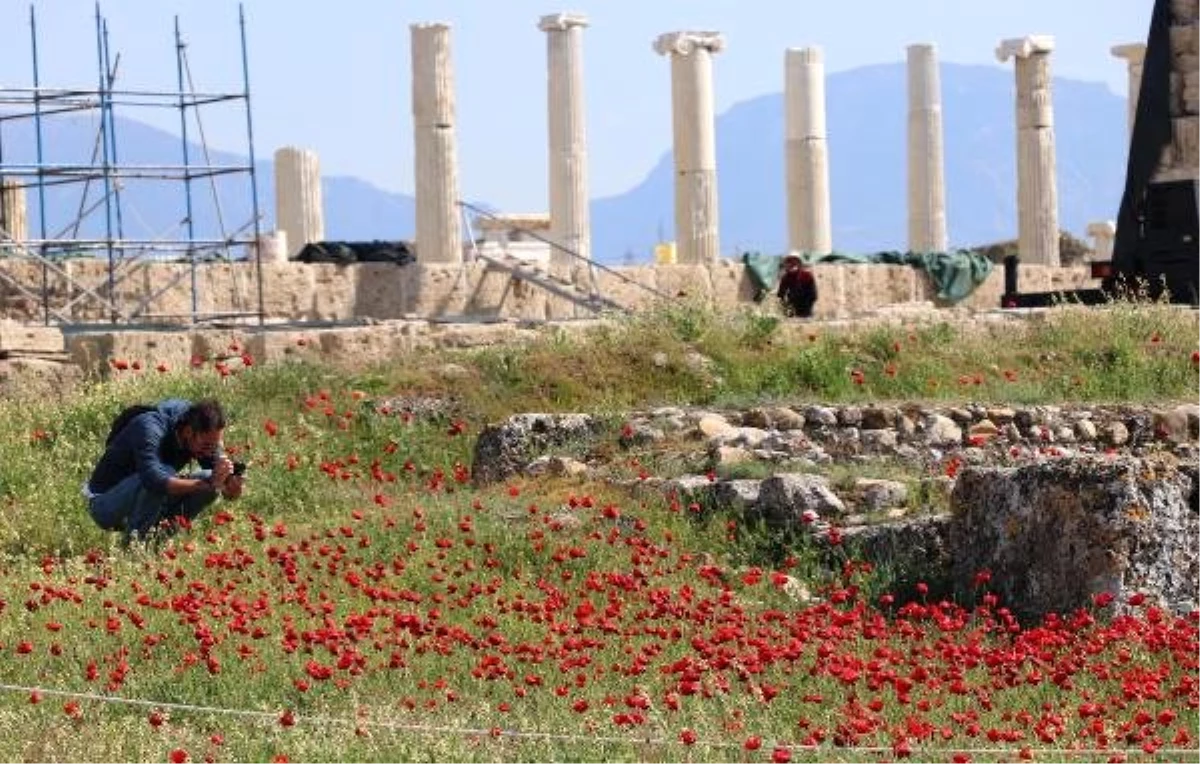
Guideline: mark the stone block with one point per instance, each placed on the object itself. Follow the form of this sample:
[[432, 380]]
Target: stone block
[[1054, 534], [1184, 11], [94, 352], [362, 346], [333, 291], [289, 290], [685, 281], [440, 289], [1184, 39], [275, 346], [731, 284], [632, 291], [378, 290], [831, 291], [24, 338]]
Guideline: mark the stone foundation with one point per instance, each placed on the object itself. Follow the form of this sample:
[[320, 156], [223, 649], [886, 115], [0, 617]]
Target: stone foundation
[[150, 292]]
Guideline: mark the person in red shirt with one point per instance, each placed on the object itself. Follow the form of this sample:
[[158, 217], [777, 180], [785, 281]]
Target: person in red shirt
[[797, 288]]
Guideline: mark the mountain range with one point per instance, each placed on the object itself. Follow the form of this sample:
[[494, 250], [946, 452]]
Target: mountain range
[[866, 118]]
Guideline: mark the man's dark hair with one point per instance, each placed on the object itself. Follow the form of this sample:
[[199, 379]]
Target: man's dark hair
[[204, 416]]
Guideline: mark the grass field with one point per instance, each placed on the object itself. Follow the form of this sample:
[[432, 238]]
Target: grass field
[[364, 601]]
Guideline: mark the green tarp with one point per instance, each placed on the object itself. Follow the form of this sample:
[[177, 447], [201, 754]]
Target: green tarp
[[955, 274]]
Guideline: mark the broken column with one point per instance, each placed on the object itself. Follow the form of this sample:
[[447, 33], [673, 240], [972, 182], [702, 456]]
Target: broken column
[[694, 143], [809, 225], [926, 173], [1102, 232], [272, 247], [14, 223], [569, 217], [439, 232], [1037, 191], [1134, 54], [299, 211]]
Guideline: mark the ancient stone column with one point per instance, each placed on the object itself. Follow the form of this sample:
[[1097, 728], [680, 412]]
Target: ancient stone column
[[1134, 54], [1037, 191], [694, 143], [14, 222], [570, 225], [807, 154], [926, 173], [272, 247], [1103, 233], [299, 211], [439, 230]]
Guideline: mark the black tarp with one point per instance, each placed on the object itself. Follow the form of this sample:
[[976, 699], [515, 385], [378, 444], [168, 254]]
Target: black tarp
[[1151, 132], [349, 252]]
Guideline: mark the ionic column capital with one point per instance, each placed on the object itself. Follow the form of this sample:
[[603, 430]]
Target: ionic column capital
[[428, 25], [1132, 52], [687, 43], [561, 22], [1024, 47]]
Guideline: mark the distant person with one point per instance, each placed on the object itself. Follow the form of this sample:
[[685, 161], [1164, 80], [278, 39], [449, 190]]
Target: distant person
[[137, 485], [797, 288]]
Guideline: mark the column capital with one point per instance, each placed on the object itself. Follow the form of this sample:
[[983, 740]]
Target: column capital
[[800, 56], [686, 43], [1133, 52], [424, 25], [1024, 47], [561, 22], [1102, 228]]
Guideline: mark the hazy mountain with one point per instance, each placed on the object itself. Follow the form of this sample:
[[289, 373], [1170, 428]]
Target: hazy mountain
[[156, 209], [867, 114], [866, 122]]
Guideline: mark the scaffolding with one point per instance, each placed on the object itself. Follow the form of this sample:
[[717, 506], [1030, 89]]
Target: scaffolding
[[39, 268]]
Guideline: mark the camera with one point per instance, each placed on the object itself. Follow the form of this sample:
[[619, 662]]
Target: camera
[[239, 468]]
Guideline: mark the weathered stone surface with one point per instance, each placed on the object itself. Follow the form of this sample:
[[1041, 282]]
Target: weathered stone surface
[[1085, 430], [941, 430], [872, 494], [820, 416], [558, 466], [1054, 534], [736, 495], [782, 499], [878, 441], [24, 338], [726, 455], [912, 550], [714, 425], [879, 417], [783, 418], [31, 378], [1178, 425], [504, 449]]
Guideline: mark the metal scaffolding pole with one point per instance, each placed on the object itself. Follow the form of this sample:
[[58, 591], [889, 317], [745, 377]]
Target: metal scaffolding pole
[[108, 237], [37, 121], [106, 166], [258, 270]]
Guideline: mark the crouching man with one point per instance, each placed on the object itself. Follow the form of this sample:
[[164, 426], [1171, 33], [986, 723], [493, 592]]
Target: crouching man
[[137, 486]]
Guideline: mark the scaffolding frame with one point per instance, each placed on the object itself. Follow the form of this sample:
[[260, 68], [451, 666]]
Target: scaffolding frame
[[50, 249]]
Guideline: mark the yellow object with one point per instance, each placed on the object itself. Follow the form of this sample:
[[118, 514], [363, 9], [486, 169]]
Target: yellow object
[[664, 253]]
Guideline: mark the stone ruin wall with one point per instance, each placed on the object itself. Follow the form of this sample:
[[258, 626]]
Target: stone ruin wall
[[1181, 158], [298, 292]]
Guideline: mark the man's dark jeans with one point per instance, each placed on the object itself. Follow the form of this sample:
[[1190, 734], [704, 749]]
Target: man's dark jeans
[[129, 507]]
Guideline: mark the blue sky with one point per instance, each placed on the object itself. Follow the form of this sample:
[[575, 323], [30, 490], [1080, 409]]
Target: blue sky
[[334, 76]]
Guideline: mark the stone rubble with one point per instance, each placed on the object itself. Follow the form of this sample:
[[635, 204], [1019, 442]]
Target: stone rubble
[[1058, 502]]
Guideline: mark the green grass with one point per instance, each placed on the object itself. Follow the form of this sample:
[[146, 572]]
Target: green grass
[[362, 549]]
